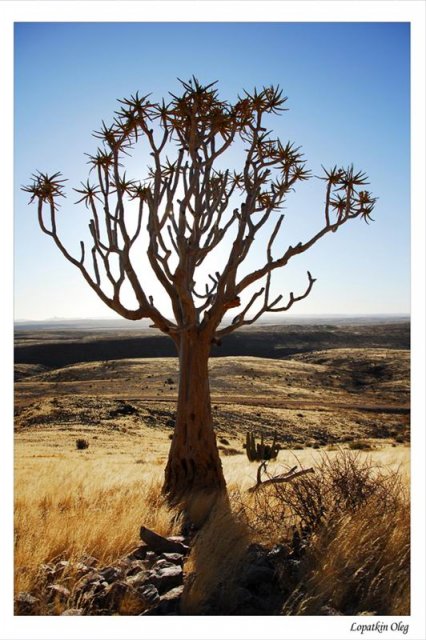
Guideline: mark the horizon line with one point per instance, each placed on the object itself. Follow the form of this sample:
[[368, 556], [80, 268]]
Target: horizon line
[[300, 315]]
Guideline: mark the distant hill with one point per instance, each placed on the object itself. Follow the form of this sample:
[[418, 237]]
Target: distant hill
[[61, 346]]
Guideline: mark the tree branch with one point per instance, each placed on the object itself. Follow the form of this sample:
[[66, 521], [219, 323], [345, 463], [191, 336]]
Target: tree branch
[[289, 476]]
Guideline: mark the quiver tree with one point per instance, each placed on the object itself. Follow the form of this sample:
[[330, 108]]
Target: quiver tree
[[186, 206]]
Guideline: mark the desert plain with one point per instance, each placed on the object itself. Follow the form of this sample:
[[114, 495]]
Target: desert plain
[[320, 388]]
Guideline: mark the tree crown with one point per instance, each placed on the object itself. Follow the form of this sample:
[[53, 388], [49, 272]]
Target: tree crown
[[186, 204]]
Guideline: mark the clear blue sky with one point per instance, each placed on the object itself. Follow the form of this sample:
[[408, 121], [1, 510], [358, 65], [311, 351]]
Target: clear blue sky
[[348, 97]]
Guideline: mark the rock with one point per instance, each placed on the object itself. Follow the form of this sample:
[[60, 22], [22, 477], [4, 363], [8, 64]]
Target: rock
[[329, 611], [90, 594], [73, 612], [278, 553], [58, 592], [160, 544], [181, 539], [60, 568], [47, 572], [111, 574], [150, 593], [293, 567], [87, 581], [139, 553], [114, 593], [26, 604], [47, 568], [257, 553], [88, 560], [80, 569], [169, 603], [160, 563], [93, 596], [123, 563], [136, 567], [139, 579], [174, 593], [166, 578], [126, 600], [255, 574], [175, 558]]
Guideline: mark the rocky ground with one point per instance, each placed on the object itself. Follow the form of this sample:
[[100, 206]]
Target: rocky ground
[[144, 581], [151, 581]]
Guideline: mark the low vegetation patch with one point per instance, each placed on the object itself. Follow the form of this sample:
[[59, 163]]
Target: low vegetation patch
[[81, 443], [337, 541], [360, 444]]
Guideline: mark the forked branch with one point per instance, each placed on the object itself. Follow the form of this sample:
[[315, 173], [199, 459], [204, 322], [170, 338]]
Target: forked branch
[[289, 476]]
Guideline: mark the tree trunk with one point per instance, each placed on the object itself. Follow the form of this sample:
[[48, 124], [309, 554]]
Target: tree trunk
[[194, 465]]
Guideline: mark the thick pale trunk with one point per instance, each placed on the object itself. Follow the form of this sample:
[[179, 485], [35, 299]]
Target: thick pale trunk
[[194, 465]]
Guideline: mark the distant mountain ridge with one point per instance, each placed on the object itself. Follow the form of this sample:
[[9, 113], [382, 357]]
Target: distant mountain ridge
[[62, 346], [268, 320]]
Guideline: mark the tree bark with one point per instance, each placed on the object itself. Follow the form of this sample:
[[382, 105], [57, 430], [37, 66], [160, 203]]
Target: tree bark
[[194, 465]]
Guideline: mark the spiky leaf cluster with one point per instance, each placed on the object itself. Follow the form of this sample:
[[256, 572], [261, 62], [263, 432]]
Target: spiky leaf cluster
[[344, 195], [45, 187]]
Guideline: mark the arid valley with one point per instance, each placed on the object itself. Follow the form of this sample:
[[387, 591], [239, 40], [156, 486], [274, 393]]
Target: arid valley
[[325, 390]]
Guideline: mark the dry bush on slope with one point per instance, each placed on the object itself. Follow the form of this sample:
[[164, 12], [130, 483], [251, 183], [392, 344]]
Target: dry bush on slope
[[359, 564], [341, 483], [345, 529]]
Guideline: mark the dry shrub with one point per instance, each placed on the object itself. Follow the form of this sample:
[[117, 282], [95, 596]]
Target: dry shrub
[[265, 517], [360, 563], [352, 520], [360, 444], [341, 484], [81, 443]]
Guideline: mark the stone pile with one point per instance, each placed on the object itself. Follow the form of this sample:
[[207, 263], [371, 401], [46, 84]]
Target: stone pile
[[256, 589], [145, 581], [150, 581]]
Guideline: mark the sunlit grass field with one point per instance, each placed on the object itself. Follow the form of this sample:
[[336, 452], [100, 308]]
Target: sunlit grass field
[[344, 412], [71, 503]]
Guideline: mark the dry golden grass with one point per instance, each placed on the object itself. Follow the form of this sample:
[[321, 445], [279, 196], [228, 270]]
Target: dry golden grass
[[79, 505], [358, 565], [70, 503], [72, 509]]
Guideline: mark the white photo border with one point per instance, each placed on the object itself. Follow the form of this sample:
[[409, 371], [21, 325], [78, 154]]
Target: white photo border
[[187, 628]]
